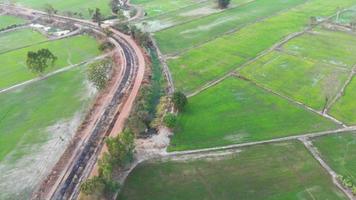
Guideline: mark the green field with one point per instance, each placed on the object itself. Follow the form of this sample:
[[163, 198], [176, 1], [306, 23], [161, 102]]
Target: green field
[[269, 172], [196, 67], [206, 28], [158, 7], [345, 108], [340, 153], [6, 20], [28, 111], [236, 111], [20, 38], [69, 51], [73, 6], [346, 17], [311, 82]]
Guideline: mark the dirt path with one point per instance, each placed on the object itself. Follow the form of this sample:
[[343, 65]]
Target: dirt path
[[64, 69], [309, 145]]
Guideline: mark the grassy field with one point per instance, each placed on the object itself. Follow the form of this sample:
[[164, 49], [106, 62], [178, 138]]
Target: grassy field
[[308, 81], [69, 51], [340, 153], [345, 108], [269, 172], [197, 66], [206, 28], [20, 38], [236, 111], [73, 6], [158, 7], [346, 17], [6, 20]]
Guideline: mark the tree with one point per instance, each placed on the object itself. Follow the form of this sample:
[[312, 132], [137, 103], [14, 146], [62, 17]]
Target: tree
[[121, 148], [114, 5], [49, 9], [39, 61], [179, 100], [98, 73], [170, 120], [97, 16], [223, 3]]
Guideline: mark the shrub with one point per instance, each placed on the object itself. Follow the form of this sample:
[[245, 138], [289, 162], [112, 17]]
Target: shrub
[[170, 120]]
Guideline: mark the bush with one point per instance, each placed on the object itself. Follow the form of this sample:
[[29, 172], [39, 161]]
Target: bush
[[106, 46], [98, 73], [170, 120], [179, 100]]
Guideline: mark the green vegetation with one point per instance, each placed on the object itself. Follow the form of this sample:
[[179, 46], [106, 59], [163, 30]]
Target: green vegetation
[[344, 109], [179, 100], [7, 21], [236, 111], [210, 61], [269, 172], [18, 39], [170, 120], [38, 62], [69, 51], [340, 153], [157, 7], [99, 73], [347, 17], [311, 82], [198, 31], [30, 110]]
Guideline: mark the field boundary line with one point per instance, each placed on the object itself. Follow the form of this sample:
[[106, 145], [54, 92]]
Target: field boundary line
[[342, 90], [210, 84], [64, 69], [247, 144], [334, 176]]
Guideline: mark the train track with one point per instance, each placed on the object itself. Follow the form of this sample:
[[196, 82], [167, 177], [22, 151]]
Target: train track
[[86, 155]]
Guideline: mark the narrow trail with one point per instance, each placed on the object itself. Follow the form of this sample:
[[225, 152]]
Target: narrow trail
[[64, 69], [314, 152]]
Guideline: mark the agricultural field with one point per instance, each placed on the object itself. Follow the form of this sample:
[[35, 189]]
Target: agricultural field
[[18, 39], [7, 20], [340, 152], [269, 172], [237, 111]]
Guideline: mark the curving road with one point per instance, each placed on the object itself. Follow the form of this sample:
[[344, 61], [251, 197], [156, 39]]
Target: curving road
[[65, 184]]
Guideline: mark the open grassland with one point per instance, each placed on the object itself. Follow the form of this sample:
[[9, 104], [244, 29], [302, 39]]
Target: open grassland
[[36, 123], [269, 172], [198, 66], [236, 111], [73, 6], [204, 29], [158, 7], [332, 47], [20, 38], [345, 108], [309, 82], [339, 151], [7, 20], [69, 51]]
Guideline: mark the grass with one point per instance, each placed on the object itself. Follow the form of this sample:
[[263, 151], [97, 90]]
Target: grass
[[308, 81], [196, 67], [204, 29], [345, 108], [269, 172], [236, 111], [157, 7], [69, 51], [339, 151], [73, 6], [18, 39], [7, 20], [27, 112], [346, 17]]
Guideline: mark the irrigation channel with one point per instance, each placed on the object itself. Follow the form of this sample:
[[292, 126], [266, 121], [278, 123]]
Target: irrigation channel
[[66, 183]]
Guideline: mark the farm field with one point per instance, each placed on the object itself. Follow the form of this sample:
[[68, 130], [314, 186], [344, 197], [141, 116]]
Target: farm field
[[20, 38], [345, 108], [6, 20], [311, 69], [340, 152], [69, 51], [236, 111], [198, 66], [270, 172], [37, 121], [207, 28], [74, 6]]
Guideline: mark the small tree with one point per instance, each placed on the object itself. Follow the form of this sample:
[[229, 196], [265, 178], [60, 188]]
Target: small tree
[[223, 3], [97, 16], [98, 73], [49, 9], [114, 5], [121, 148], [170, 120], [39, 61], [179, 100]]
